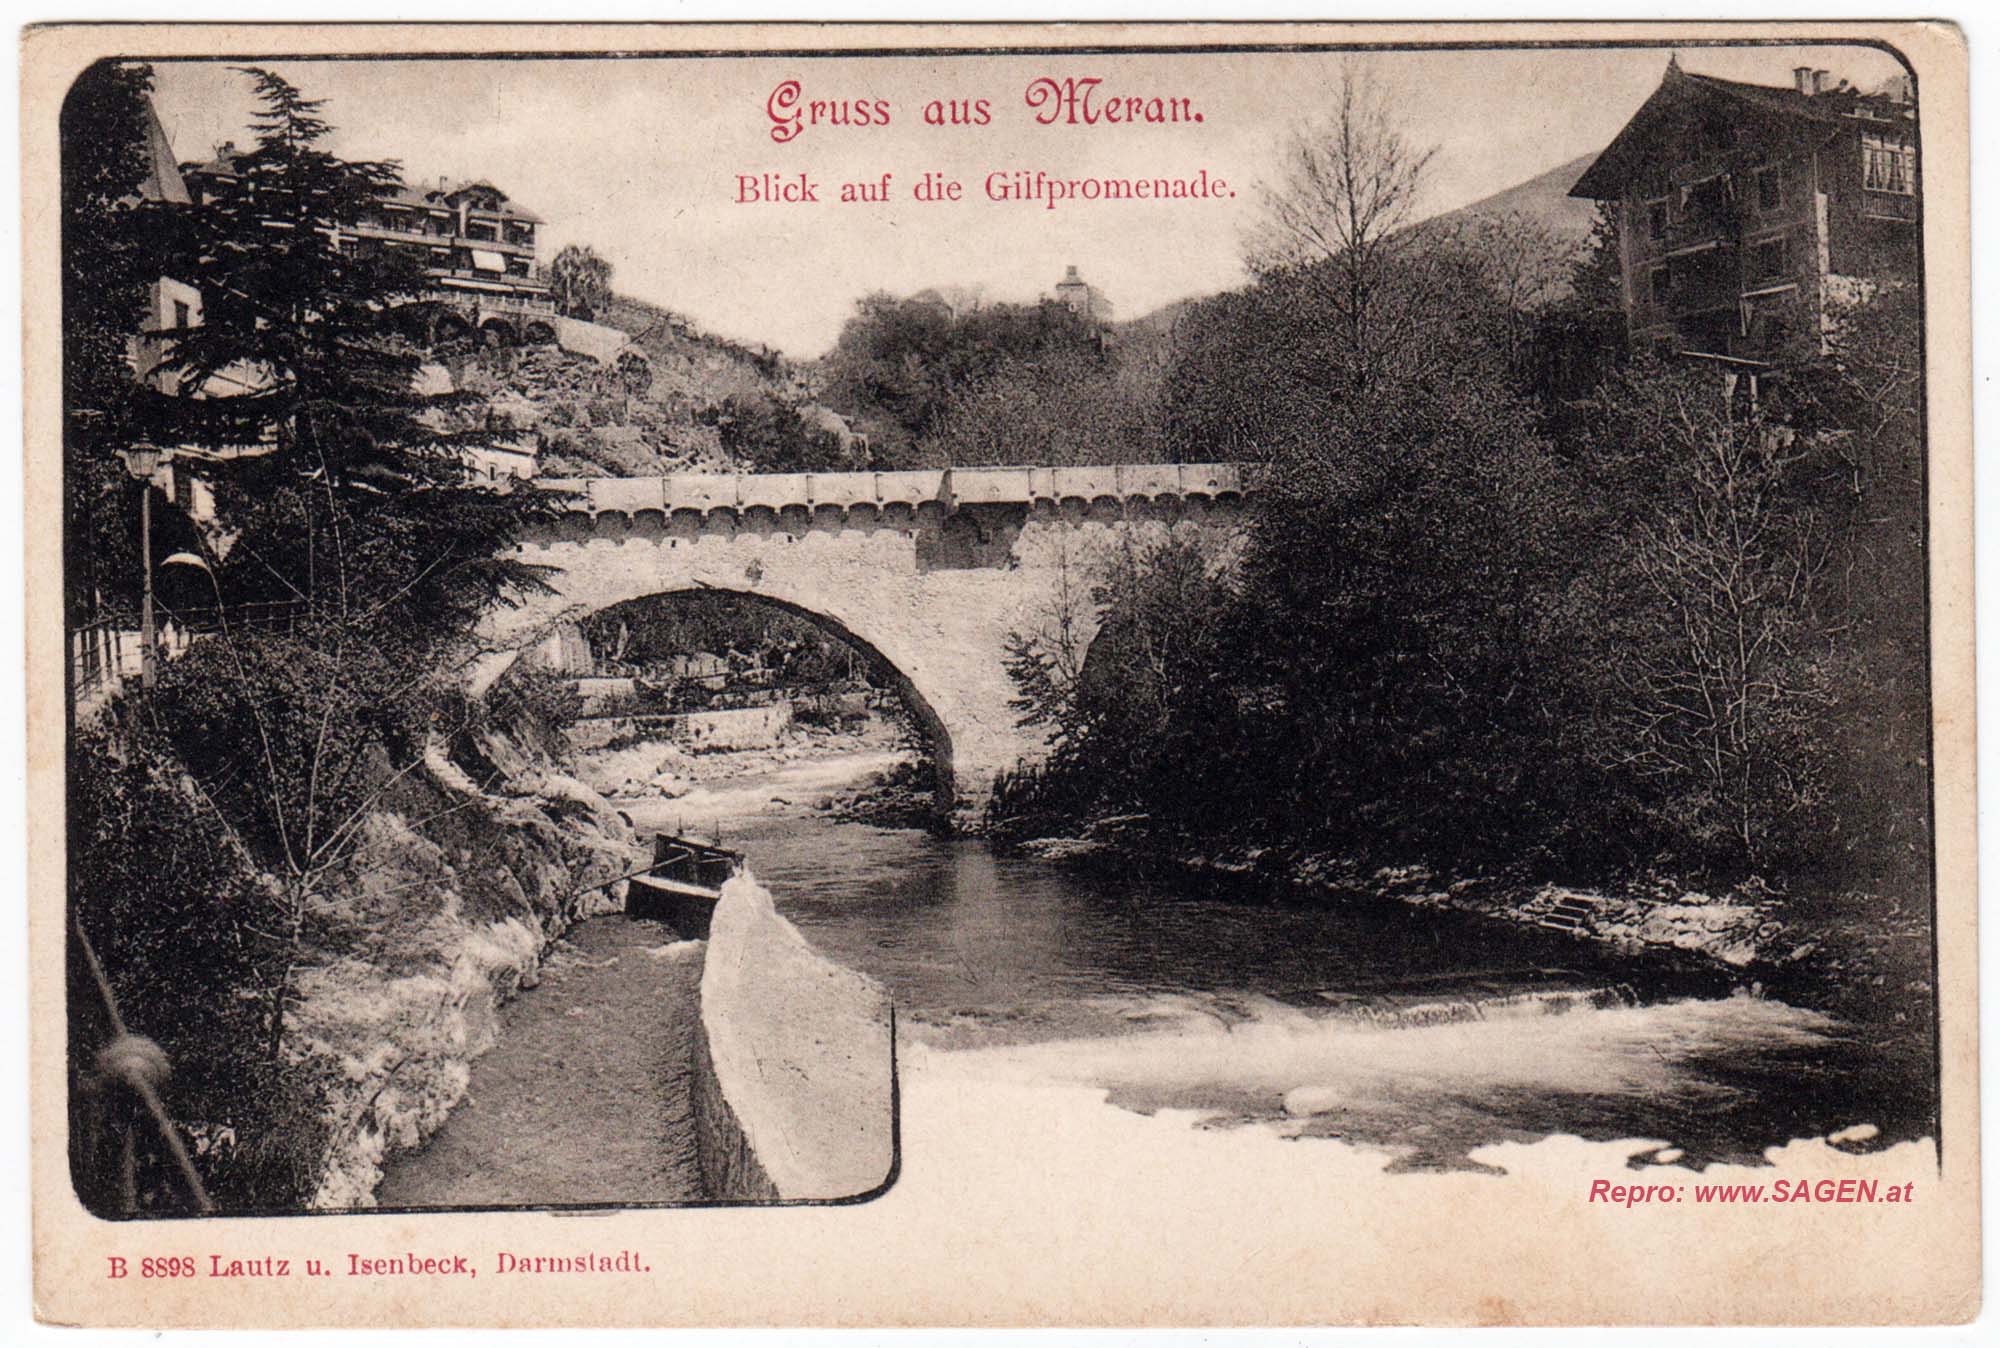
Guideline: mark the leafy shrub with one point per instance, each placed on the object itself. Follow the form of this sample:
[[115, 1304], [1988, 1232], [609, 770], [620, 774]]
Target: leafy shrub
[[180, 920]]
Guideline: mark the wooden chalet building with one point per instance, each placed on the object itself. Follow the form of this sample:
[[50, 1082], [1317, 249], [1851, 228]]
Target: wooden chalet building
[[1745, 210]]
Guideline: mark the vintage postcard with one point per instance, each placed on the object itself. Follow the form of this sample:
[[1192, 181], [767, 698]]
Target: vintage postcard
[[977, 675]]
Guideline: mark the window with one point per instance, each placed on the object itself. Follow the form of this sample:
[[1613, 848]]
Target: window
[[1706, 202], [1888, 165], [1770, 194], [1662, 283], [181, 314], [1767, 323], [1771, 260], [1656, 219]]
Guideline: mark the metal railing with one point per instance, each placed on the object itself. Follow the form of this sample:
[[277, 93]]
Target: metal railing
[[522, 304], [106, 651], [277, 615], [97, 656], [140, 1068]]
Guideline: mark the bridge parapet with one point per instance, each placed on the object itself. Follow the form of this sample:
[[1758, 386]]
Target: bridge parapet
[[952, 487]]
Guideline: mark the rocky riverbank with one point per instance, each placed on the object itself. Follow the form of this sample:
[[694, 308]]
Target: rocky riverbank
[[1841, 952], [448, 908], [645, 769], [475, 884], [875, 775]]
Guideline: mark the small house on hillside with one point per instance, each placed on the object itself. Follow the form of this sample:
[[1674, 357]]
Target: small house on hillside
[[1081, 297]]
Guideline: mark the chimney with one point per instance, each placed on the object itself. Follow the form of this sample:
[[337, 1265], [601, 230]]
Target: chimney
[[1819, 81], [1069, 274], [1802, 79]]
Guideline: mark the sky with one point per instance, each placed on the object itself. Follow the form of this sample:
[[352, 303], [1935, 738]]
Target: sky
[[640, 158]]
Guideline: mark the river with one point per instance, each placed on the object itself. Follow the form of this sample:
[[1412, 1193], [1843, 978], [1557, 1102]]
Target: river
[[1423, 1034], [605, 1038], [1418, 1035]]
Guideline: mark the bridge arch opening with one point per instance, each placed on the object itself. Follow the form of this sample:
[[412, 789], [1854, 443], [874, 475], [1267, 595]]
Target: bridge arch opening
[[826, 670], [448, 328]]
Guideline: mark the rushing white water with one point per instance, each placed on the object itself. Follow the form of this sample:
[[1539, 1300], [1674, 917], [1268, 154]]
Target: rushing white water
[[1517, 1068], [1425, 1037]]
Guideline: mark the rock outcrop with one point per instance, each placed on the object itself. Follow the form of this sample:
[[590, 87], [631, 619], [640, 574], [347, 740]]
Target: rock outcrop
[[445, 911]]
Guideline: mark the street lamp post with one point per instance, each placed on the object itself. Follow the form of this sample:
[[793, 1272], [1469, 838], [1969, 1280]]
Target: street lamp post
[[142, 461]]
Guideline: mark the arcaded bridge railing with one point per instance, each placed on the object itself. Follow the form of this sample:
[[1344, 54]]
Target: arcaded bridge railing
[[952, 487]]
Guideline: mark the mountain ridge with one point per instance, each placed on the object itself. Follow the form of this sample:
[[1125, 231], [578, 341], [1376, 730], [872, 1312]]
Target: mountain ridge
[[1543, 199]]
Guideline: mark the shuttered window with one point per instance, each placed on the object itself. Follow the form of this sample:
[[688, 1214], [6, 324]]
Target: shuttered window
[[1888, 165]]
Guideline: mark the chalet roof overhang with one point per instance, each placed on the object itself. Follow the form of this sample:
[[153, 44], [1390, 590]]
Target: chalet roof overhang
[[1685, 103], [502, 204]]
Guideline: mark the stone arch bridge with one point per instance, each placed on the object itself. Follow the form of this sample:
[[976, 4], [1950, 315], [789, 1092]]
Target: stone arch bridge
[[930, 571]]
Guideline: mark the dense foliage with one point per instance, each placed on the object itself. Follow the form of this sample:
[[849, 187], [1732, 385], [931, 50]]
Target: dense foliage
[[113, 244], [650, 635], [1001, 383], [1504, 600], [346, 563], [766, 435], [581, 281], [172, 906]]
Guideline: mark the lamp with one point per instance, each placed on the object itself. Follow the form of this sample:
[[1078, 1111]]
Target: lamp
[[142, 461]]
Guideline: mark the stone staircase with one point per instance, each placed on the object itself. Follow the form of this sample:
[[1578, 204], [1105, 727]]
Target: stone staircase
[[1568, 912]]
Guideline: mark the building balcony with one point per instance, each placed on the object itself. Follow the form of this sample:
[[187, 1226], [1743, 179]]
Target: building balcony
[[498, 245], [519, 280], [398, 234], [490, 291]]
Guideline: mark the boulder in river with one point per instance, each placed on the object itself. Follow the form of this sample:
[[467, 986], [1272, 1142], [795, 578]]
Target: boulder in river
[[1306, 1101]]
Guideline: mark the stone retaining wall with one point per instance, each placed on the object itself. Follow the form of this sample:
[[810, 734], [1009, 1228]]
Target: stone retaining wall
[[794, 1063], [729, 1168]]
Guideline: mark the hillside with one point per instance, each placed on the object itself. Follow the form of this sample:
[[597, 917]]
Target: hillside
[[711, 405], [1159, 322], [1543, 200], [705, 364], [715, 405]]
